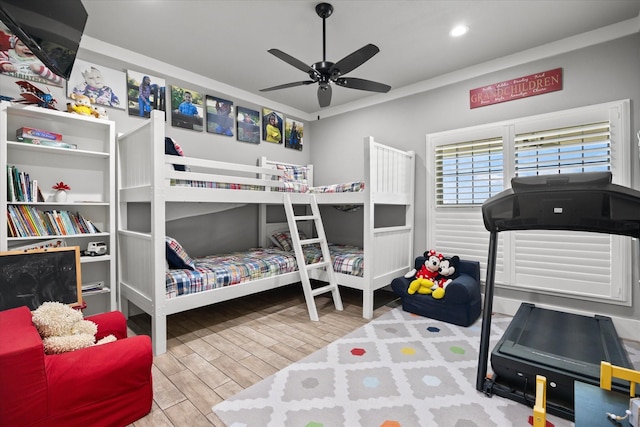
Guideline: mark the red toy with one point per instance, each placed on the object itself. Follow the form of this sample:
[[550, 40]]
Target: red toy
[[424, 281], [33, 95]]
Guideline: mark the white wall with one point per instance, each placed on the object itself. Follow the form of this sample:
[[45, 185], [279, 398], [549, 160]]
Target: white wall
[[601, 73]]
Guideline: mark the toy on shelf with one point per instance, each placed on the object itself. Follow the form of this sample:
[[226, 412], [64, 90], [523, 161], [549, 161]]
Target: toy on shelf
[[81, 105], [32, 95], [96, 248], [84, 106], [100, 112]]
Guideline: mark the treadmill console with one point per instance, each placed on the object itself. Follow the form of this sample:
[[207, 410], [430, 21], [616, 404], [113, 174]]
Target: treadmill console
[[580, 202]]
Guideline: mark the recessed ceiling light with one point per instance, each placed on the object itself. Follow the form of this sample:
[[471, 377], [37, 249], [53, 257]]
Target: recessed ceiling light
[[459, 30]]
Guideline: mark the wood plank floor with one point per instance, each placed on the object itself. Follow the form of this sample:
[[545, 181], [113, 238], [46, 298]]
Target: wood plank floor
[[216, 351]]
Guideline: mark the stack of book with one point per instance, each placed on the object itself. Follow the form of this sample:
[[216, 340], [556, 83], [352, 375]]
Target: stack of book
[[21, 188], [41, 137], [27, 221], [92, 287]]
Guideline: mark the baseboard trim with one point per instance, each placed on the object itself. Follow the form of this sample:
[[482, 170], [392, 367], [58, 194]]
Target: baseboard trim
[[627, 328]]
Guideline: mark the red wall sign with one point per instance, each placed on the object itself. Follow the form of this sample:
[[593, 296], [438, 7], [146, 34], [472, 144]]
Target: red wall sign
[[522, 87]]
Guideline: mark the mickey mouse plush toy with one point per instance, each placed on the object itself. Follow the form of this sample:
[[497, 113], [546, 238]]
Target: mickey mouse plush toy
[[424, 281], [446, 273]]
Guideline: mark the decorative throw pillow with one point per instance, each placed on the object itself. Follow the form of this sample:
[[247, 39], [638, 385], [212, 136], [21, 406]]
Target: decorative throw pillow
[[172, 148], [294, 173], [275, 239], [177, 257], [282, 239]]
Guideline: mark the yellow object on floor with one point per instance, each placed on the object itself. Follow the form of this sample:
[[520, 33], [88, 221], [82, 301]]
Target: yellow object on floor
[[540, 407], [609, 371]]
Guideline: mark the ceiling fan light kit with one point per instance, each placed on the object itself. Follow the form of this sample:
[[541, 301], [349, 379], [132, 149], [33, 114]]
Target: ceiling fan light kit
[[325, 73]]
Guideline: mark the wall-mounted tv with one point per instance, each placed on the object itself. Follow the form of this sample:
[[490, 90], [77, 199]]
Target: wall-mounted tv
[[51, 29]]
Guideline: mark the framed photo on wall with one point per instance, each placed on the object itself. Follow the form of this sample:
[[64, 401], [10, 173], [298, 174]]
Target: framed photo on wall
[[272, 124], [105, 86], [19, 62], [186, 108], [219, 116], [293, 132], [248, 125], [145, 93]]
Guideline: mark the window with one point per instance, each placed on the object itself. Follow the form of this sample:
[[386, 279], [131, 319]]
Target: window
[[468, 172], [575, 149], [467, 166]]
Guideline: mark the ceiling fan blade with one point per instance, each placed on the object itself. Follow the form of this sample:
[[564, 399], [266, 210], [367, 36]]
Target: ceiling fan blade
[[324, 95], [354, 60], [293, 61], [362, 84], [286, 85]]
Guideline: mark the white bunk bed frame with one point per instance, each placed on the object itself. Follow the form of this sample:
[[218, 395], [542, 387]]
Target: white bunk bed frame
[[144, 176]]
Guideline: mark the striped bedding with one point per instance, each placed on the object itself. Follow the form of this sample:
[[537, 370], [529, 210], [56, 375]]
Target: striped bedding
[[217, 271], [294, 180], [288, 187]]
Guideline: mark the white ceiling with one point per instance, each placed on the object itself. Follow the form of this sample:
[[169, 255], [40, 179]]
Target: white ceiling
[[227, 40]]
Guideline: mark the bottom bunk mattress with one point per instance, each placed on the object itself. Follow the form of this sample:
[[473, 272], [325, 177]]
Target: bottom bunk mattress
[[216, 271]]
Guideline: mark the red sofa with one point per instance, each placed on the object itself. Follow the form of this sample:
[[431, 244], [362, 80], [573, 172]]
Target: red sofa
[[104, 385]]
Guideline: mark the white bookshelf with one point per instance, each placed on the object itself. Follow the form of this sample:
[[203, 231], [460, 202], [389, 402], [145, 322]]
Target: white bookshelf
[[88, 169]]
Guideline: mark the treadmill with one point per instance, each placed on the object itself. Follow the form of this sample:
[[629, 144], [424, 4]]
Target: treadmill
[[577, 344]]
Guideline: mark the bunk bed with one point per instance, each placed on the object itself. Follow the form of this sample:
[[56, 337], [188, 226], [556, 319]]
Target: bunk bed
[[146, 175]]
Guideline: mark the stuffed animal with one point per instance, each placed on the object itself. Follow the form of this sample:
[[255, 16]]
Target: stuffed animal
[[99, 112], [63, 328], [446, 273], [424, 278], [82, 105]]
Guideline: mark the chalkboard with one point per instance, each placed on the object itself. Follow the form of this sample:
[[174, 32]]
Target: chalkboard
[[31, 277]]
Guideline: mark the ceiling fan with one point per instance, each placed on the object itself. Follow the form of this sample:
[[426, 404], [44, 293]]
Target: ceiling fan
[[324, 72]]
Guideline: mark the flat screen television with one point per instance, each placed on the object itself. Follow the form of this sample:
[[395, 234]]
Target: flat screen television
[[51, 29]]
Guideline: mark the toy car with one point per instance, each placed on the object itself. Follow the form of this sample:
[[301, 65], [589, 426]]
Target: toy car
[[96, 248]]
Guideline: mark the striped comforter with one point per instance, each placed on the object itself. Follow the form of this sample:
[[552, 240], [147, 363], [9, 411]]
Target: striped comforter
[[217, 271], [288, 187]]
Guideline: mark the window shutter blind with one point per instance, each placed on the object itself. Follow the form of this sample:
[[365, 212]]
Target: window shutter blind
[[467, 173], [576, 149], [570, 263], [460, 231], [564, 261], [466, 170]]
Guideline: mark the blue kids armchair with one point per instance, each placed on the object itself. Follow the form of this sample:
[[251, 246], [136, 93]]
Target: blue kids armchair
[[461, 304]]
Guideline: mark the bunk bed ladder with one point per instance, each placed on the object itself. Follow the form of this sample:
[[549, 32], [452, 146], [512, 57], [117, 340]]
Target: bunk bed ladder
[[303, 267]]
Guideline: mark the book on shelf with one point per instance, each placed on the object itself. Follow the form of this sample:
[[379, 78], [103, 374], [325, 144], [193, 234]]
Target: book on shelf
[[20, 186], [28, 221], [47, 143], [12, 223], [33, 133], [92, 286], [15, 219], [11, 195]]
